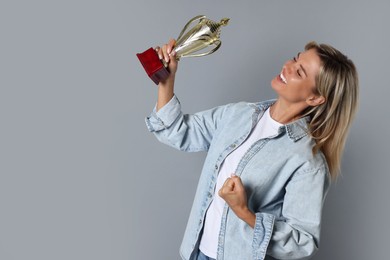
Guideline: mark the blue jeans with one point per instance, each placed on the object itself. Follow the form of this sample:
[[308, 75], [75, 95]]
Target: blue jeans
[[202, 256]]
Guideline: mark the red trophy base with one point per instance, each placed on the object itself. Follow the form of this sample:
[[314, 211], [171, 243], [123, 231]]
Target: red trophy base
[[153, 65]]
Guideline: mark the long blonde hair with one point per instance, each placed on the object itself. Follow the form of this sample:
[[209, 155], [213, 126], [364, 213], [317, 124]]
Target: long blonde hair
[[329, 123]]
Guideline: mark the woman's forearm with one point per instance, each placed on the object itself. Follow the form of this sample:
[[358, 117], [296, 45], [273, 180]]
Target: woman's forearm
[[247, 216], [165, 88], [165, 92]]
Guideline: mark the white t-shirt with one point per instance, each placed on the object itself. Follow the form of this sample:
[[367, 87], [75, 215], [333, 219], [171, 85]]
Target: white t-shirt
[[266, 127]]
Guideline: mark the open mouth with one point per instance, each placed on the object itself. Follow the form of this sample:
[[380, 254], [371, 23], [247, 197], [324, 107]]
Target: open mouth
[[282, 78]]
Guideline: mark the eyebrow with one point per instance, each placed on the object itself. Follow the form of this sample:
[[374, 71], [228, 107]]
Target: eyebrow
[[304, 71]]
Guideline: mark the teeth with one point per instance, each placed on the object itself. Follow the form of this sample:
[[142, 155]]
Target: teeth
[[283, 78]]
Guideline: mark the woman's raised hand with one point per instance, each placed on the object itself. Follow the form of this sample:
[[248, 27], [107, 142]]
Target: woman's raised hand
[[167, 54], [165, 89]]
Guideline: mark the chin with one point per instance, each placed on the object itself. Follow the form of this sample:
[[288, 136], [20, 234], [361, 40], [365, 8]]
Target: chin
[[275, 86]]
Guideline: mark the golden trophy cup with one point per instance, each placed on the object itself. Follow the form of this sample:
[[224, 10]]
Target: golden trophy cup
[[203, 36]]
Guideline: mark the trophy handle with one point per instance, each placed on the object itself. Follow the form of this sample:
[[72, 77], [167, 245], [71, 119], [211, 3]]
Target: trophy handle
[[217, 45], [199, 17]]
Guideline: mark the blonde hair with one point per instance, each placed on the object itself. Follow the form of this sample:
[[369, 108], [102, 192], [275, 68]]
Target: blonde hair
[[329, 123]]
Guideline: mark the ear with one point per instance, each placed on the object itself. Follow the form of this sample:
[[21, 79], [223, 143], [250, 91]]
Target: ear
[[315, 100]]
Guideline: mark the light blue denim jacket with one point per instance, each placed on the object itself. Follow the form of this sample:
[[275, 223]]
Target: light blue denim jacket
[[285, 183]]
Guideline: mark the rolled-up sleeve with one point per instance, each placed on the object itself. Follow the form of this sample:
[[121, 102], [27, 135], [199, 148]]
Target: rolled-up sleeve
[[185, 132], [163, 118], [262, 234]]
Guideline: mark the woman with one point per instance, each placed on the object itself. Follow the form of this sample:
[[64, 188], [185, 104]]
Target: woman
[[269, 164]]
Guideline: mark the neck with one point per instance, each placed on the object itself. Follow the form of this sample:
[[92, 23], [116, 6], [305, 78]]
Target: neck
[[286, 113]]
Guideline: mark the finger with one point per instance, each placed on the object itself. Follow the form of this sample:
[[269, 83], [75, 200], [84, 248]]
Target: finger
[[173, 55], [224, 191], [236, 178], [226, 181], [229, 184], [171, 44], [237, 182], [159, 52], [165, 52], [225, 188], [172, 59]]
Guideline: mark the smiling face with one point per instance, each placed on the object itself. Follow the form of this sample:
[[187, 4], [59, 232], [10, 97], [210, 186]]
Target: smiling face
[[296, 82]]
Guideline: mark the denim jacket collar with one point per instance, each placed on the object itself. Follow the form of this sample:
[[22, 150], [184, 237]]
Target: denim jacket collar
[[295, 130]]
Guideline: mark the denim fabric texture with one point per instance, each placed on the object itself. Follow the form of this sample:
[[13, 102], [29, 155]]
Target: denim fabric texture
[[285, 182]]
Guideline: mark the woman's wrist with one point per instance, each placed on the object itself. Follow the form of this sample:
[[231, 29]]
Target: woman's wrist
[[165, 92], [248, 216]]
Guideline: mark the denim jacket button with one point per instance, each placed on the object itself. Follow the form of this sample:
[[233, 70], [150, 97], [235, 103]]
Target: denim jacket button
[[216, 167]]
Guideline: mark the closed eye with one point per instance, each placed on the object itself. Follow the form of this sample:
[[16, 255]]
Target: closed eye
[[295, 60], [298, 72]]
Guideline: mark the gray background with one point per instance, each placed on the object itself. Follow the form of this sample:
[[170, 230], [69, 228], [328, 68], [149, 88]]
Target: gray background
[[80, 175]]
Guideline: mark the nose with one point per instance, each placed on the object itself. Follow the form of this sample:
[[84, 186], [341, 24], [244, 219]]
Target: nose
[[287, 67]]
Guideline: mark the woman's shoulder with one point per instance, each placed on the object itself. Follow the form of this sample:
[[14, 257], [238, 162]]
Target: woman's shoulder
[[313, 163], [250, 106]]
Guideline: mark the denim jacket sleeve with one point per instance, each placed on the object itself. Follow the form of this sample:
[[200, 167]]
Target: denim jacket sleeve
[[190, 133], [296, 234]]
